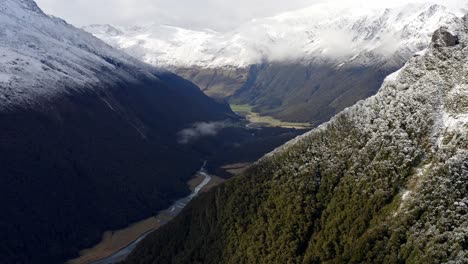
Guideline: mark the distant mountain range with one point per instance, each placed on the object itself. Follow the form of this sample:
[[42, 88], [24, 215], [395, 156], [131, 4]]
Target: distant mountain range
[[385, 181], [322, 32], [304, 65]]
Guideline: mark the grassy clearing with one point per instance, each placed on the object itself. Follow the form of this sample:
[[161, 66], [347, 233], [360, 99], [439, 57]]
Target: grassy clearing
[[241, 108], [268, 121]]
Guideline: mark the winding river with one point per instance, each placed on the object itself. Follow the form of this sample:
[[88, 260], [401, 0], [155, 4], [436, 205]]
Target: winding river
[[172, 211]]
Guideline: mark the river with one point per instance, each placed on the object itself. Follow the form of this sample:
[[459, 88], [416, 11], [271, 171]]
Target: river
[[172, 211]]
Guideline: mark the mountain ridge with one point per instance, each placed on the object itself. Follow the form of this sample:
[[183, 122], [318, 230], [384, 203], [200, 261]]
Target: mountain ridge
[[88, 136], [385, 181], [27, 32]]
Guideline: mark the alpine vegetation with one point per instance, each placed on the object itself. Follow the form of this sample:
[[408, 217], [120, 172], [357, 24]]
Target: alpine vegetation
[[385, 181]]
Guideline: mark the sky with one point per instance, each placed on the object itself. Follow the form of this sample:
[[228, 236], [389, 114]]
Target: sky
[[219, 15]]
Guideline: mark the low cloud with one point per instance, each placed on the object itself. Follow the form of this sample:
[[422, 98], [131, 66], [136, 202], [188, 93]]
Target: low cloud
[[215, 14], [199, 130], [338, 43]]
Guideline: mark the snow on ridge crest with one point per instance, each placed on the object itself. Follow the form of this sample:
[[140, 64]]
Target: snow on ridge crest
[[43, 56], [19, 6], [338, 35], [430, 93]]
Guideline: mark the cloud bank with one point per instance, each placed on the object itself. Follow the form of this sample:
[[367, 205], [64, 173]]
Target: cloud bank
[[220, 15]]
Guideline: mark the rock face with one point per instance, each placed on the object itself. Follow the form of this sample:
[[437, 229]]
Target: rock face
[[88, 136], [385, 181], [443, 38], [306, 65]]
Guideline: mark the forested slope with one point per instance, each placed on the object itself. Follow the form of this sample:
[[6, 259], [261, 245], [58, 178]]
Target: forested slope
[[385, 181]]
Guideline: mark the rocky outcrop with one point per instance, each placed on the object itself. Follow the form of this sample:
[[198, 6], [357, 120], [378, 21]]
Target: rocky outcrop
[[443, 38]]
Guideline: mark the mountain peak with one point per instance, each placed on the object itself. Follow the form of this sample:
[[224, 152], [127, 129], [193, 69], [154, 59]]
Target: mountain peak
[[103, 29], [11, 6]]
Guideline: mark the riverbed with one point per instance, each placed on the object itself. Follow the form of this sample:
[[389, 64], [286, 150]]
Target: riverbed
[[143, 228]]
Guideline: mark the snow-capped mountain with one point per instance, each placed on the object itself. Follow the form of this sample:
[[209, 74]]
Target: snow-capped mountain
[[41, 55], [305, 65], [320, 32]]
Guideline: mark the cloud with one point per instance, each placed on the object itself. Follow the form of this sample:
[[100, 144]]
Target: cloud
[[337, 43], [214, 14], [201, 129], [221, 15]]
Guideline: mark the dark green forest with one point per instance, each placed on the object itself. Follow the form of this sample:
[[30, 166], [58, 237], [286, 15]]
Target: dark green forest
[[319, 202]]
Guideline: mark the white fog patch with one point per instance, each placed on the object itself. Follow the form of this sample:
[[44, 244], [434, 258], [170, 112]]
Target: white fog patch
[[389, 44], [201, 129], [337, 43], [214, 14]]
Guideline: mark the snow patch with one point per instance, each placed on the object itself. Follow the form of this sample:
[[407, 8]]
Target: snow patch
[[5, 78], [421, 52], [455, 122], [393, 77], [405, 195]]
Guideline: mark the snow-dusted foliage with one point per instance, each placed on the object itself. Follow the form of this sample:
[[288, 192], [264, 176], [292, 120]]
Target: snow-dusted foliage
[[41, 56], [322, 32], [385, 181]]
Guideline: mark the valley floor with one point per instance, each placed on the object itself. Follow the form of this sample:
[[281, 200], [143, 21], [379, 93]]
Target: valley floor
[[115, 241], [261, 138], [258, 120]]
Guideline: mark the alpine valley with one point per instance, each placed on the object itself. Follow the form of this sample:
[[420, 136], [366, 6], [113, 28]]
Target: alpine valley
[[302, 66], [336, 133], [90, 138], [385, 181]]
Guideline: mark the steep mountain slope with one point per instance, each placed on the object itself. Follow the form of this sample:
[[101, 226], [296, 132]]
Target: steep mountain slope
[[385, 181], [88, 136], [305, 65]]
